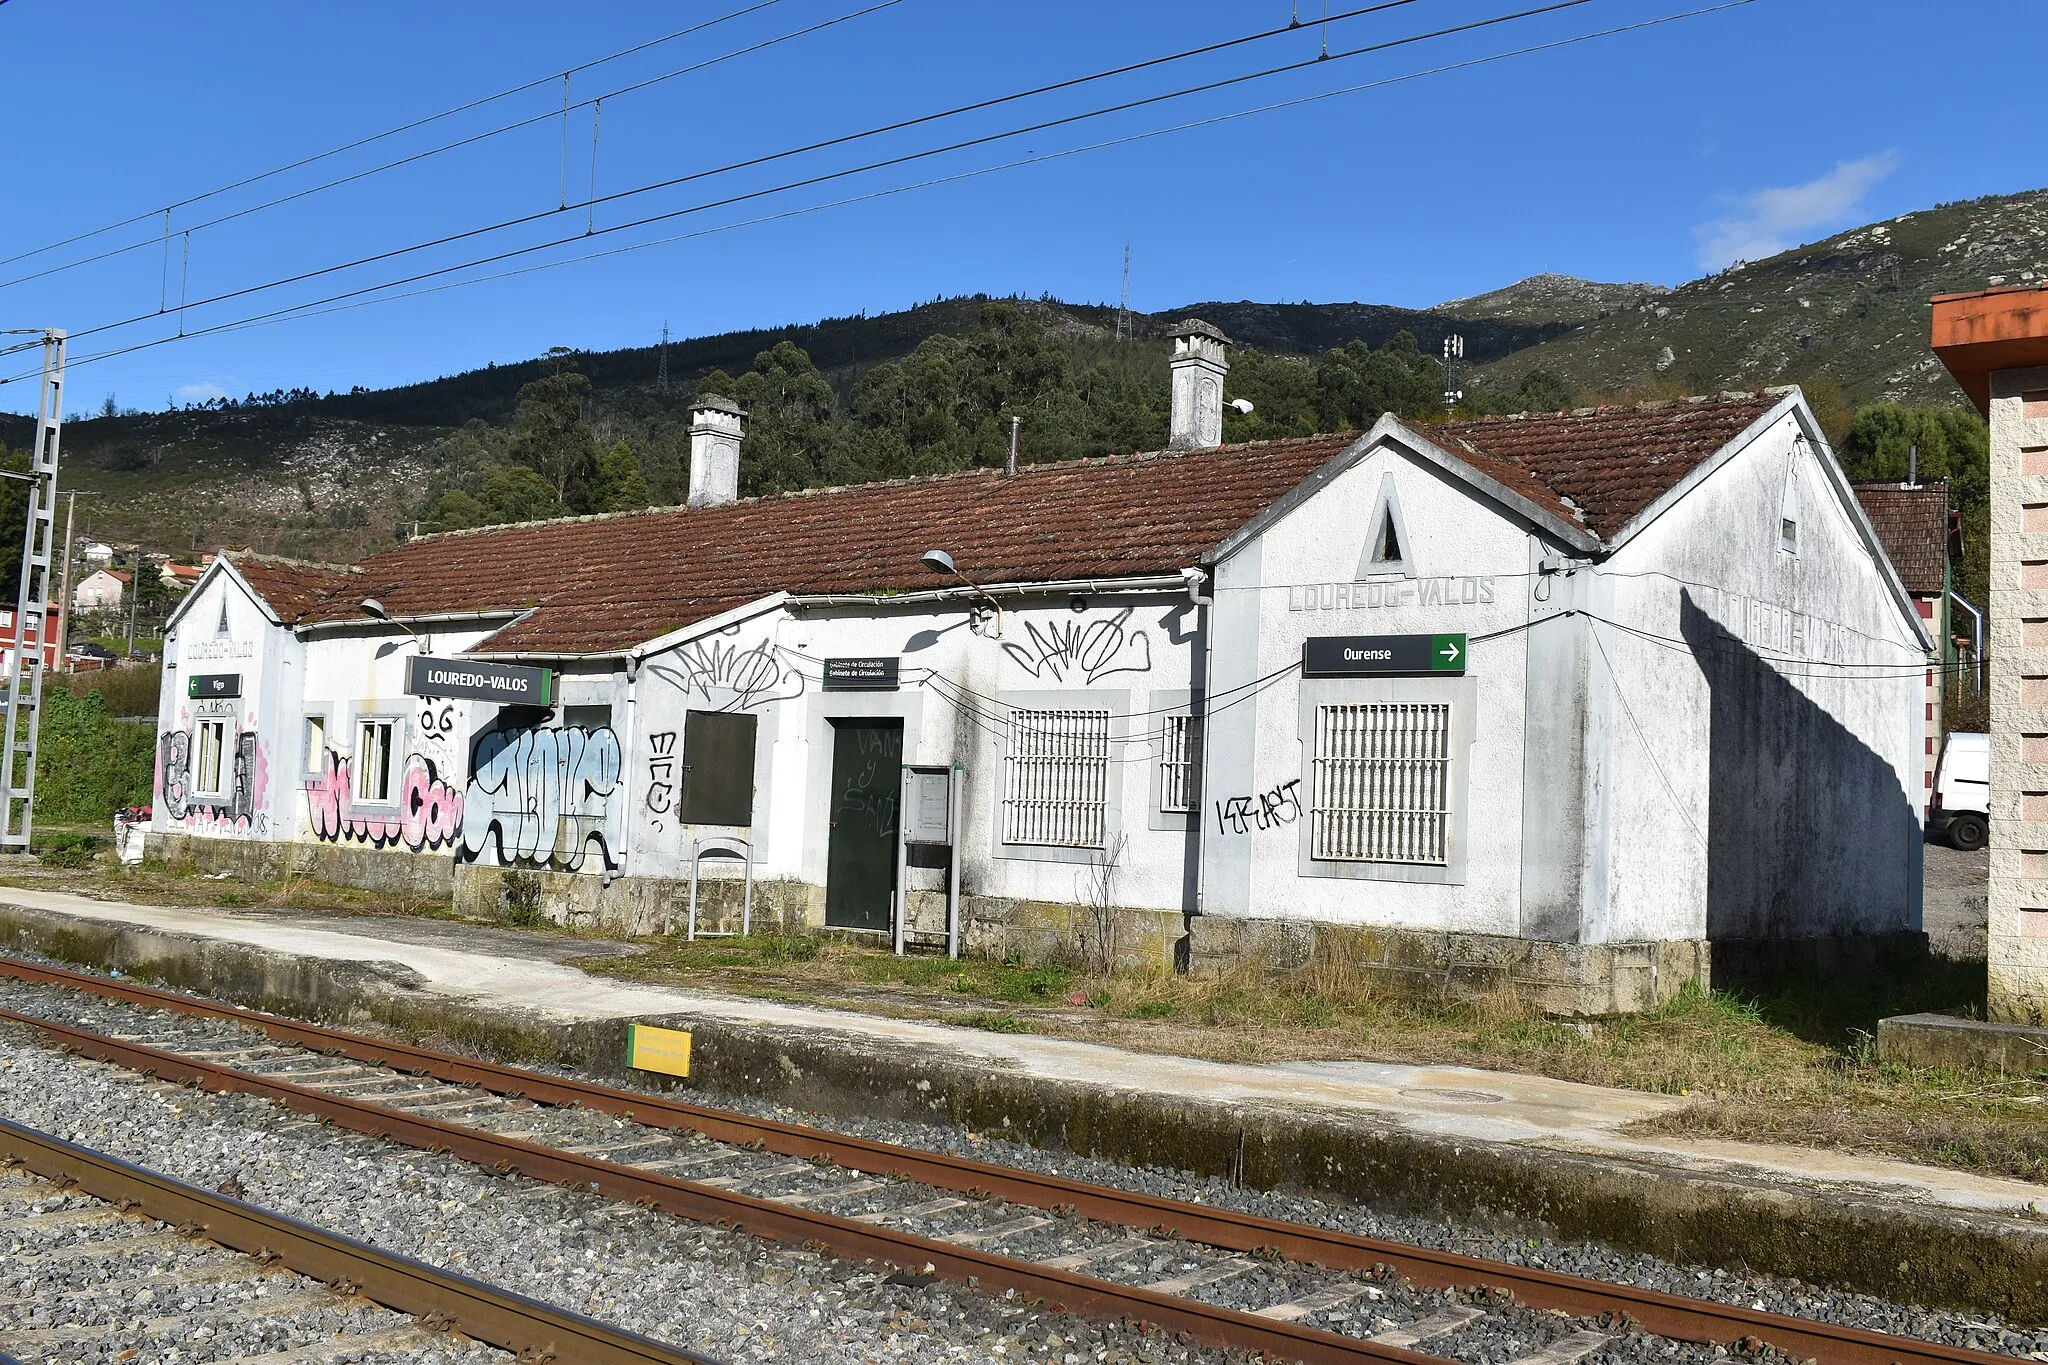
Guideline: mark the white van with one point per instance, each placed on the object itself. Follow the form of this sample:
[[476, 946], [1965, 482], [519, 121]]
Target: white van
[[1962, 792]]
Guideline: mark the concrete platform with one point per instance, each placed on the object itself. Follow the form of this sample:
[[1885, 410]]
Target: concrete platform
[[1496, 1148], [1963, 1044]]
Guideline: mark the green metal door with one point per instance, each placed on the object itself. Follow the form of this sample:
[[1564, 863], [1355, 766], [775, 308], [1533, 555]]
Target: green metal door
[[860, 858]]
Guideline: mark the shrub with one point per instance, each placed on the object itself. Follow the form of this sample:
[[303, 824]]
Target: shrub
[[89, 765]]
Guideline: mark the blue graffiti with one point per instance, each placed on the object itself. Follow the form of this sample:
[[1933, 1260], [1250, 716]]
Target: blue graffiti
[[543, 797]]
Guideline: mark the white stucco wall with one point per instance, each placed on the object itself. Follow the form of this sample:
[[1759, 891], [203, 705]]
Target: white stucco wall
[[255, 800], [1765, 721], [1470, 563]]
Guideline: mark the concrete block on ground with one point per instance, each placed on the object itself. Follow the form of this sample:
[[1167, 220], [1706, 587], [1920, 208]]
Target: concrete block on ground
[[1942, 1040]]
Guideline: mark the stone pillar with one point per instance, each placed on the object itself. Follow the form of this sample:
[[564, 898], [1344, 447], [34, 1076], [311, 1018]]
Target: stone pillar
[[715, 424], [1198, 366], [2018, 646]]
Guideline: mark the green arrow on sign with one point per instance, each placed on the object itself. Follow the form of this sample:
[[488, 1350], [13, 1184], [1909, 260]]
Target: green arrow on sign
[[1447, 654]]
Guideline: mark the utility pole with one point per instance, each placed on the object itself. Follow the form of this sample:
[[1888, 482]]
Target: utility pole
[[1123, 308], [31, 609], [71, 496], [662, 382]]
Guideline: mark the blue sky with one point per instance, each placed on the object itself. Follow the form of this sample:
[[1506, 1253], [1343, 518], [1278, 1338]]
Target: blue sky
[[1649, 155]]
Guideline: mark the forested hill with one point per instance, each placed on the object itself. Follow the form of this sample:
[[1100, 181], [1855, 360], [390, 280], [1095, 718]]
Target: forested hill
[[330, 476]]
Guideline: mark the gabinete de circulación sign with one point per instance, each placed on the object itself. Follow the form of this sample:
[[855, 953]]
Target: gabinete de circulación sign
[[1350, 656], [506, 684]]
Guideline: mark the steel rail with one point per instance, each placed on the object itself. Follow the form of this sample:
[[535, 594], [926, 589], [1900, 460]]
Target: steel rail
[[512, 1322], [847, 1238], [1668, 1315]]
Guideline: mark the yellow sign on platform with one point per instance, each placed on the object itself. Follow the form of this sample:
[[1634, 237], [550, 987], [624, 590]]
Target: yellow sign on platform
[[665, 1050]]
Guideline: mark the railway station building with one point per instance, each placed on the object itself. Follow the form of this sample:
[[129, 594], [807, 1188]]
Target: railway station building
[[1585, 705]]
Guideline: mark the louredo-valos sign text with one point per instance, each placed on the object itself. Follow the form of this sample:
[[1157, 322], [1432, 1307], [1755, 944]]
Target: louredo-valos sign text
[[506, 684], [864, 675], [1344, 656]]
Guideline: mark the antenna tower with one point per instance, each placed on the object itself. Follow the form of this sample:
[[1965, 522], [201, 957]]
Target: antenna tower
[[1123, 308], [1454, 351], [662, 382]]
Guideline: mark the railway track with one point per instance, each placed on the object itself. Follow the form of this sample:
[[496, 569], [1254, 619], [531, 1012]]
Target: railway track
[[1220, 1277], [119, 1261]]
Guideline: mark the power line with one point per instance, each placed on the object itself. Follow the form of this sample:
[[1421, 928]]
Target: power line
[[593, 103], [826, 177], [352, 299], [304, 161]]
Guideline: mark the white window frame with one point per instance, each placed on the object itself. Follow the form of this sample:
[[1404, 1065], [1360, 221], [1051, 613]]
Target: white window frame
[[1379, 783], [312, 762], [361, 772], [1461, 696], [222, 767], [1113, 751], [1163, 709]]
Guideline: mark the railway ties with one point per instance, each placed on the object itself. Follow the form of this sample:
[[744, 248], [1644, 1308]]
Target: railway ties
[[1294, 1291], [82, 1271]]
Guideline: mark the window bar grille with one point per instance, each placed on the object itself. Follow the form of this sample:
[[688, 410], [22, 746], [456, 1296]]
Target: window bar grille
[[1179, 761], [1058, 766], [1382, 783]]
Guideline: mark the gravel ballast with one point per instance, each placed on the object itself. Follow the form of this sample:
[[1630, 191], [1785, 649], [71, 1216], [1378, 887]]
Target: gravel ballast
[[865, 1300]]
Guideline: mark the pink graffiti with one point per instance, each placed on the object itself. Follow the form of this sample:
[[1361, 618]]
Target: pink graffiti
[[428, 816]]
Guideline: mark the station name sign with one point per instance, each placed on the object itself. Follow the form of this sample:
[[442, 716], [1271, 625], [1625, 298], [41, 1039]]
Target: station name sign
[[214, 685], [506, 684], [883, 674], [1350, 656]]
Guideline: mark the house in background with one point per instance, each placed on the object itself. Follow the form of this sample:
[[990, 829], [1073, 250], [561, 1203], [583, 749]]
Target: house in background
[[1923, 536], [96, 553], [100, 590]]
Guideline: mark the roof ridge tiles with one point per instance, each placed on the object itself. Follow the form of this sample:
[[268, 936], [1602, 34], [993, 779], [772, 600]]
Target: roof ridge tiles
[[973, 472], [284, 561]]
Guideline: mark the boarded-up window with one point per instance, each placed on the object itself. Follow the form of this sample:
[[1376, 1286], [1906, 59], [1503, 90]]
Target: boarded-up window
[[718, 763]]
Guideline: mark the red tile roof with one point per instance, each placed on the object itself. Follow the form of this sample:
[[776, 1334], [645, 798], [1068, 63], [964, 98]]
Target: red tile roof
[[290, 587], [605, 583], [1912, 525], [1599, 468]]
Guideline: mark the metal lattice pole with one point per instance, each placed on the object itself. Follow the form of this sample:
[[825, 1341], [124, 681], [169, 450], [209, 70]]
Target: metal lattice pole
[[32, 608]]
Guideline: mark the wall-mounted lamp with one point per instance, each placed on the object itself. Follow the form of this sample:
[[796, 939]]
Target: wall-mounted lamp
[[374, 609], [938, 561]]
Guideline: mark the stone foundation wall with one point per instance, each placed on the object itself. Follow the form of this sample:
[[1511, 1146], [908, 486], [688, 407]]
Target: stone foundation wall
[[632, 905], [1553, 978], [428, 876]]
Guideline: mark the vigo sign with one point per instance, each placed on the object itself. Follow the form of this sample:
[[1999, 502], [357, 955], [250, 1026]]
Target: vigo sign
[[1345, 656], [505, 684]]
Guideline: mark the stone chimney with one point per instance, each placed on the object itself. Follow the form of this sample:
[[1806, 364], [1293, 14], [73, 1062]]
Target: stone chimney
[[1197, 367], [715, 450]]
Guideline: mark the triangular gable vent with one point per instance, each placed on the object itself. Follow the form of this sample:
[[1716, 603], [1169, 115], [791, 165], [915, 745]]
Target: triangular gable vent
[[222, 627], [1386, 547]]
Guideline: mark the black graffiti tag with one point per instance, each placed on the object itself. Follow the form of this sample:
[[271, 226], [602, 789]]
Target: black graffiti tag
[[1270, 809]]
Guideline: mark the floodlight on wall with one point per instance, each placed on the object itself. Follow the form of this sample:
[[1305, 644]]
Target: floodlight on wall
[[1242, 406], [938, 561]]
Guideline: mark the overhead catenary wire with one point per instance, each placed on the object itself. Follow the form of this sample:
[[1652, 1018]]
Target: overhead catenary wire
[[563, 113], [463, 108], [354, 298], [829, 176]]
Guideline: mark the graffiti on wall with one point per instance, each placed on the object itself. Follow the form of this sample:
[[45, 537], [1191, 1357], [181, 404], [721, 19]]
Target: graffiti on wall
[[1271, 808], [428, 816], [542, 797], [726, 677], [433, 730], [234, 809], [1070, 651], [661, 778]]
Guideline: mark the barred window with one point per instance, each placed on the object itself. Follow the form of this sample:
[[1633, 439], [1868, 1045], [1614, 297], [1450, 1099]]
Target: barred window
[[1180, 763], [1382, 783], [1056, 778]]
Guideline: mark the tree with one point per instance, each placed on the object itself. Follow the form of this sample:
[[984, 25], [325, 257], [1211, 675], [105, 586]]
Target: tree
[[550, 437], [1953, 445], [791, 430], [1356, 384], [108, 407], [619, 485]]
